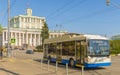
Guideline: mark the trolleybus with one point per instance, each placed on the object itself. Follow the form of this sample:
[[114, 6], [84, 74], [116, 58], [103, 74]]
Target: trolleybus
[[77, 50]]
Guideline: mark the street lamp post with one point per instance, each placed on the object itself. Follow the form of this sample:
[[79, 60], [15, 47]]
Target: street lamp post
[[8, 49]]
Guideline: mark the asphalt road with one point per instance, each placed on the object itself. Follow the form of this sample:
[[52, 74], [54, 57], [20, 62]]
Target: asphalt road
[[29, 64]]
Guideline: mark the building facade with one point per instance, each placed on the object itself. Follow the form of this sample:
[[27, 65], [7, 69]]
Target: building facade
[[27, 21], [116, 37], [26, 29]]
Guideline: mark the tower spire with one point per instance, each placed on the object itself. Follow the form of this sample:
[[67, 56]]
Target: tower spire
[[29, 12]]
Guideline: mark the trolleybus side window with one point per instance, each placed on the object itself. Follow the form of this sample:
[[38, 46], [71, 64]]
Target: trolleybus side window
[[51, 49], [64, 49], [68, 48], [71, 48]]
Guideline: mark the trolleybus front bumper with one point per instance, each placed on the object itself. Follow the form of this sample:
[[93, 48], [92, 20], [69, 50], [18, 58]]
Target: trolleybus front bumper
[[97, 64]]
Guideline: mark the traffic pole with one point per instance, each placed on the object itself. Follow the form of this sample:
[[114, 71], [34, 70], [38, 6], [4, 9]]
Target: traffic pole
[[41, 63], [48, 64], [82, 73], [66, 68], [56, 67]]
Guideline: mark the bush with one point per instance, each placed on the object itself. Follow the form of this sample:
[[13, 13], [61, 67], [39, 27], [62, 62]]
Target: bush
[[113, 52], [115, 46], [39, 48]]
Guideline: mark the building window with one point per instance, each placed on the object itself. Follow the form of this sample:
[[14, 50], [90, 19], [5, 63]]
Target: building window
[[55, 36], [51, 36], [33, 20], [25, 19], [22, 19]]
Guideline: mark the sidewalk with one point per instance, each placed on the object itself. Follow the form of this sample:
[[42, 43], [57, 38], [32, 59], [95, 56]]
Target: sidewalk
[[13, 66], [3, 69]]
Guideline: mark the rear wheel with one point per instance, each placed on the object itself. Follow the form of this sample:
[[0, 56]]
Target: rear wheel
[[72, 63]]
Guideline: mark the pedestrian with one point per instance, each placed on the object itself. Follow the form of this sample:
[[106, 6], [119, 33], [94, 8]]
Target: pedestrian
[[1, 53]]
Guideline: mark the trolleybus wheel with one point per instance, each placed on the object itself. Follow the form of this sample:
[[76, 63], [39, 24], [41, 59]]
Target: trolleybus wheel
[[49, 58], [72, 63]]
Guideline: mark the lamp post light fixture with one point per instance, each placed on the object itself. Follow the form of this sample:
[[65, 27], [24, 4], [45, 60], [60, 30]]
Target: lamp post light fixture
[[108, 2]]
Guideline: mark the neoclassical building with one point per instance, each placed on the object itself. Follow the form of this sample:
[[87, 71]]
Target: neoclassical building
[[26, 29]]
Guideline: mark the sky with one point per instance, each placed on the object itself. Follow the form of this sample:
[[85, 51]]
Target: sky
[[75, 16]]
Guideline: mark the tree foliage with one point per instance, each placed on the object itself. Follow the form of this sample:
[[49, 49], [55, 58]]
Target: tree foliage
[[115, 46], [1, 29], [44, 32], [39, 48]]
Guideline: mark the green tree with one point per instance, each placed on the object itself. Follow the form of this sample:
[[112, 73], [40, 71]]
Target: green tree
[[115, 46], [44, 32], [1, 29], [39, 48]]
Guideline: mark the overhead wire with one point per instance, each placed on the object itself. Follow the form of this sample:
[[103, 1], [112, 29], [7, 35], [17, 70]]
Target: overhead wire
[[68, 9], [6, 11], [93, 14], [115, 5], [59, 9]]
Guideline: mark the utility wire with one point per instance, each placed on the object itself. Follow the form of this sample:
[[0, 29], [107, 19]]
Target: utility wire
[[89, 15], [68, 9], [116, 5], [94, 13], [73, 6], [6, 11], [61, 8]]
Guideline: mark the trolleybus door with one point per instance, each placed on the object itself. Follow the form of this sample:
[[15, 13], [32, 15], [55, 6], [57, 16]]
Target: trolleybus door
[[59, 52], [80, 52], [45, 51]]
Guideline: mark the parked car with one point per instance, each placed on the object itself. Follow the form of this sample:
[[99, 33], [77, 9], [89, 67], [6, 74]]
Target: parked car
[[29, 52]]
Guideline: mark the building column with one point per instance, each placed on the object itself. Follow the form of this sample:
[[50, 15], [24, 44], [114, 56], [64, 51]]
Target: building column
[[6, 36], [16, 38], [38, 39], [11, 35], [19, 39], [35, 40], [3, 38], [31, 39], [20, 22], [26, 37], [23, 38], [30, 22]]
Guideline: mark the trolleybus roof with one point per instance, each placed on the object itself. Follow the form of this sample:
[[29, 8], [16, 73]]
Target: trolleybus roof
[[64, 38]]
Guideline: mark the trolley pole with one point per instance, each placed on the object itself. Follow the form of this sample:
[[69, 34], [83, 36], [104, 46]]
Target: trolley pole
[[8, 45]]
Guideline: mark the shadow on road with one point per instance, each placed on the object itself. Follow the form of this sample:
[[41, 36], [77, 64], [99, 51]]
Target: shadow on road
[[53, 73], [91, 71], [8, 72]]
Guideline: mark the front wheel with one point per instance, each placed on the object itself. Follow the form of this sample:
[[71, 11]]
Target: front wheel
[[49, 57], [72, 63]]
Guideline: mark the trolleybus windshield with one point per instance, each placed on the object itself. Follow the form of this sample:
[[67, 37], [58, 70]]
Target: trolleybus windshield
[[98, 47]]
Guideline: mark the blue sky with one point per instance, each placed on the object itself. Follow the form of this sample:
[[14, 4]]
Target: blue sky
[[77, 16]]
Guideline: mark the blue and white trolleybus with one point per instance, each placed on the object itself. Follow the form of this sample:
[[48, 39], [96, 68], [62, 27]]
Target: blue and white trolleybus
[[76, 50]]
